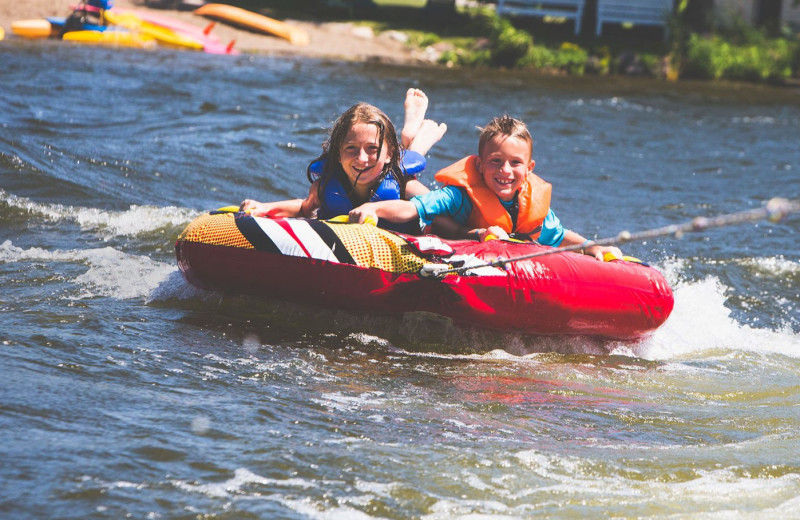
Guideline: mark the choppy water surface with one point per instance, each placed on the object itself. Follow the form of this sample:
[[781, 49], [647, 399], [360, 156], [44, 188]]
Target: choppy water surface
[[127, 392]]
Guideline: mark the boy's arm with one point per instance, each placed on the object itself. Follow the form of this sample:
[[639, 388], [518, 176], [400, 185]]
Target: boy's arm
[[447, 201], [572, 238], [447, 227], [555, 235]]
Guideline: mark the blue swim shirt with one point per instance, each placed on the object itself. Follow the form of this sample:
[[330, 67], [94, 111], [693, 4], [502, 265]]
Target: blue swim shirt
[[453, 201]]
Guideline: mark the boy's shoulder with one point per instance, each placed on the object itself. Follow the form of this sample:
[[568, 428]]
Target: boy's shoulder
[[455, 192], [444, 195]]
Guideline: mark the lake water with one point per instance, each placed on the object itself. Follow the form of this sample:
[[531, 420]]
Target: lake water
[[126, 392]]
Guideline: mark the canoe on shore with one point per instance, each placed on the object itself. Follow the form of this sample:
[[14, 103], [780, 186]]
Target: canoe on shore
[[364, 268], [32, 29], [254, 22], [162, 35], [111, 38], [209, 41]]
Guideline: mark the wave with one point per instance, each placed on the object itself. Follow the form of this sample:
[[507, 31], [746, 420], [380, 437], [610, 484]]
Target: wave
[[136, 220], [615, 103], [776, 267], [110, 273], [565, 482], [701, 321]]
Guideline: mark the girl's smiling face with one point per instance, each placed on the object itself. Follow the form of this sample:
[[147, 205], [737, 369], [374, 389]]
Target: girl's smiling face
[[362, 155], [504, 164]]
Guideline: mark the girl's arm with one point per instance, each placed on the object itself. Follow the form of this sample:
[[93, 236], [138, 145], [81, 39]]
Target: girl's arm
[[392, 210], [284, 208], [414, 188], [276, 209]]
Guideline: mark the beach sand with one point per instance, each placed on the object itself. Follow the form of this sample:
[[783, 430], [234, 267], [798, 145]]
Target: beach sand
[[333, 40]]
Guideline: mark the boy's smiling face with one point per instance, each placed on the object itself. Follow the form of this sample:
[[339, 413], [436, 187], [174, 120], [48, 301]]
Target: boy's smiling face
[[504, 164]]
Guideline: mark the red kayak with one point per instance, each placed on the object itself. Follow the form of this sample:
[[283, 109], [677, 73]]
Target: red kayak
[[364, 268]]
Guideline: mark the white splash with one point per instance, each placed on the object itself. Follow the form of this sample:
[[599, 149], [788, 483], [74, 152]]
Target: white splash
[[342, 402], [109, 272], [700, 321], [174, 285], [133, 221], [241, 479]]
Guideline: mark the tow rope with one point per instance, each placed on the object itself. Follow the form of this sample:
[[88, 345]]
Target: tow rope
[[774, 210]]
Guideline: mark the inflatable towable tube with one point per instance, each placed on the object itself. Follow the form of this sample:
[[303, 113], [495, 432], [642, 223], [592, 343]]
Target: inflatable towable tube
[[364, 268]]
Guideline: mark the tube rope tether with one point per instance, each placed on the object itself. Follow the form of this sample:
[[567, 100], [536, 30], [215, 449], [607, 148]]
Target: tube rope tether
[[774, 210]]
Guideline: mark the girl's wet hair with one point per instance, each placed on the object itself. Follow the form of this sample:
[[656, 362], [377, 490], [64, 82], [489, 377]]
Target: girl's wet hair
[[507, 126], [331, 149]]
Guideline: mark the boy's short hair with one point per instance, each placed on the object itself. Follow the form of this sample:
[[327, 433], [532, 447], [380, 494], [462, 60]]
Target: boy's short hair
[[504, 125]]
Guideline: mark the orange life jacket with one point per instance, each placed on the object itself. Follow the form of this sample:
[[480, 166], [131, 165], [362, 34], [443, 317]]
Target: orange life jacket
[[487, 210]]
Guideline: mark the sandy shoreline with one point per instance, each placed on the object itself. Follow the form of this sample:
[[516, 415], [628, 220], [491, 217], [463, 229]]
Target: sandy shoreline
[[327, 40]]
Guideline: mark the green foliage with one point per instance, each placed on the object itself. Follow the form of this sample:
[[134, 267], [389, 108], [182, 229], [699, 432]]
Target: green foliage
[[510, 44], [736, 52], [716, 58], [739, 32], [422, 39], [465, 57], [510, 47], [569, 58], [539, 58], [651, 62], [600, 61]]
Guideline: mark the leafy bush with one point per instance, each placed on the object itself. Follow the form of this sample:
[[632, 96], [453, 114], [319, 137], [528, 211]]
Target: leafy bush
[[422, 39], [466, 57], [539, 57], [569, 58], [737, 52], [715, 58], [510, 45]]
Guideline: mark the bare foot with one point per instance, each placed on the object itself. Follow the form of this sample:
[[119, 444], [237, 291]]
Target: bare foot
[[415, 105], [429, 133]]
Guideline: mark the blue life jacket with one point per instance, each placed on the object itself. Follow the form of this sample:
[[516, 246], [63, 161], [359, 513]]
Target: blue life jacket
[[101, 4], [335, 200]]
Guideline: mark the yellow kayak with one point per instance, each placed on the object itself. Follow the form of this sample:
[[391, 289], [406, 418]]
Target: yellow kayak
[[254, 22], [37, 28], [161, 34], [112, 38]]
